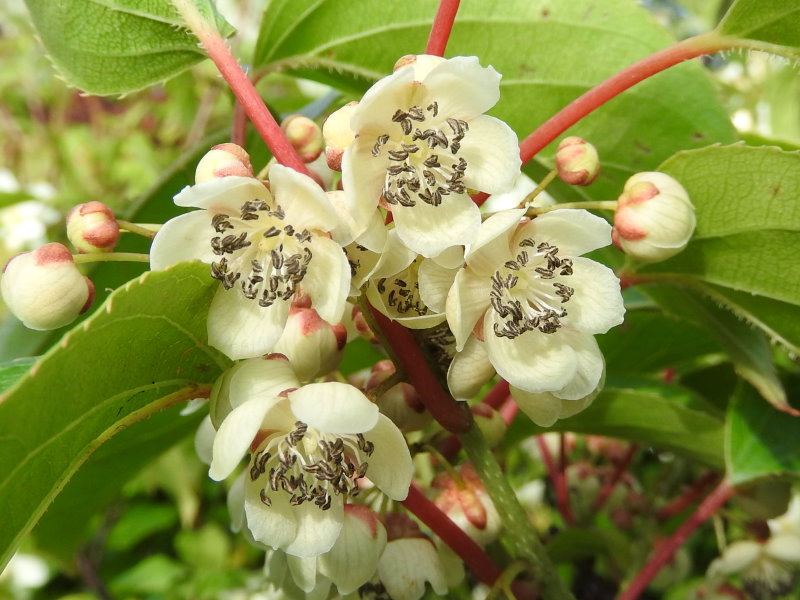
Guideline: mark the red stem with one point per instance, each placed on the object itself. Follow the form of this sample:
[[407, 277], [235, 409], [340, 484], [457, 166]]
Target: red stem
[[239, 126], [622, 466], [689, 497], [509, 411], [615, 85], [483, 567], [442, 26], [251, 102], [453, 416], [559, 482], [664, 553], [497, 396]]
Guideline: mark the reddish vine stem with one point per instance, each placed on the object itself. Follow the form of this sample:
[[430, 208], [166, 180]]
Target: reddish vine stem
[[239, 126], [453, 416], [442, 26], [597, 96], [509, 411], [559, 482], [721, 494], [620, 470], [497, 396], [689, 497]]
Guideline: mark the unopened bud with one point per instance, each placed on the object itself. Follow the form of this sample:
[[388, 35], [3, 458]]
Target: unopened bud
[[44, 288], [401, 403], [362, 327], [223, 160], [423, 64], [338, 134], [468, 505], [654, 219], [305, 135], [577, 161], [92, 228], [490, 422], [313, 346]]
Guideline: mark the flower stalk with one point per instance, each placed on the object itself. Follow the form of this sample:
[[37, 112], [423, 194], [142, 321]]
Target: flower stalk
[[597, 205], [557, 476], [111, 257], [442, 26]]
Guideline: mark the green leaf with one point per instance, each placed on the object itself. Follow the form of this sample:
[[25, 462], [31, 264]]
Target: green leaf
[[771, 21], [759, 440], [546, 52], [11, 372], [110, 47], [645, 411], [747, 347], [144, 351]]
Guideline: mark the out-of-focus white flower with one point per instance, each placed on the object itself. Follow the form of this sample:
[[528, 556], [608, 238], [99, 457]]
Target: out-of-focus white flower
[[422, 141], [407, 564], [310, 447], [265, 246], [527, 292]]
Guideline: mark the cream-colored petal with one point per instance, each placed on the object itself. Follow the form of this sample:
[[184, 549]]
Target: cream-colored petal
[[596, 304], [204, 440], [785, 547], [590, 366], [491, 248], [470, 369], [414, 321], [395, 257], [435, 282], [523, 185], [185, 237], [407, 564], [241, 328], [334, 407], [429, 230], [317, 529], [223, 195], [462, 88], [533, 361], [544, 408], [235, 435], [363, 176], [327, 281], [390, 466], [575, 232], [491, 150], [235, 502], [304, 571], [305, 203], [261, 378], [467, 302], [374, 112], [354, 557], [274, 525]]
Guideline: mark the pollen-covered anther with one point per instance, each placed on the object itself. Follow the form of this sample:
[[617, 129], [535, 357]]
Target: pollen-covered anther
[[423, 163], [523, 294], [310, 466]]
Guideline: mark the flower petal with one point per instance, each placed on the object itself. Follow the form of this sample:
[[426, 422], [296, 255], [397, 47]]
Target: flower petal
[[434, 284], [235, 502], [185, 237], [327, 280], [491, 248], [304, 202], [491, 150], [235, 435], [390, 466], [470, 369], [467, 301], [462, 88], [405, 566], [596, 304], [241, 328], [274, 525], [204, 440], [395, 256], [590, 366], [317, 529], [304, 571], [429, 230], [354, 557], [223, 195], [363, 176], [575, 232], [261, 378], [388, 95], [543, 409], [333, 407]]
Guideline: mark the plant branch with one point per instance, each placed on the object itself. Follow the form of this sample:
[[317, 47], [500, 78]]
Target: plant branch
[[664, 553], [442, 26], [689, 497], [242, 87], [609, 486], [559, 482]]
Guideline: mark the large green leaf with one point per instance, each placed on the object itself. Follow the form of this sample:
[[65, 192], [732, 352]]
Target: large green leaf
[[759, 440], [142, 352], [117, 46], [745, 251], [771, 21], [648, 412], [547, 52]]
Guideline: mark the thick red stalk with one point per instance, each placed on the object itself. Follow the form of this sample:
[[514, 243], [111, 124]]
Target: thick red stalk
[[453, 416], [664, 553], [497, 396], [615, 85], [442, 26], [559, 482], [689, 497], [509, 411], [622, 466]]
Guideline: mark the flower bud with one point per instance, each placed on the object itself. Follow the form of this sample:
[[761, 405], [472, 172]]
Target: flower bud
[[468, 505], [44, 288], [313, 346], [654, 219], [490, 422], [362, 327], [223, 160], [400, 403], [338, 134], [92, 228], [577, 161], [305, 135]]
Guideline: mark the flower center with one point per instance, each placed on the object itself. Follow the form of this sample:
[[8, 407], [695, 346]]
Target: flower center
[[261, 253], [416, 170], [401, 291], [311, 466], [524, 296]]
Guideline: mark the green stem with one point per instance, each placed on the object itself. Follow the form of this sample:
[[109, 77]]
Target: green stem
[[598, 205], [548, 179], [519, 533], [145, 230], [110, 257]]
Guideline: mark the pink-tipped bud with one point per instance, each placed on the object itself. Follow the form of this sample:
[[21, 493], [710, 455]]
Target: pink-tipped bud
[[577, 161], [338, 135], [223, 160], [362, 327], [654, 218], [423, 64], [490, 422], [305, 135], [44, 288], [92, 228], [401, 403], [313, 346], [468, 505]]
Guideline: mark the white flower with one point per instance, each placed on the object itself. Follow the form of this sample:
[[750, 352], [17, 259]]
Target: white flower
[[536, 303], [407, 564], [309, 447], [422, 141], [265, 246]]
